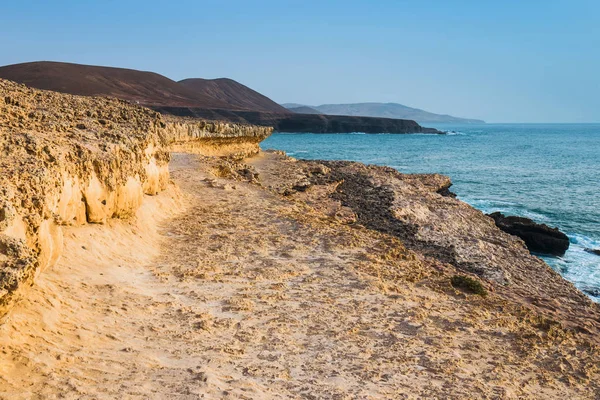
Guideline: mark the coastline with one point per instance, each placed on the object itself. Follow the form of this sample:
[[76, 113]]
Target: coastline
[[539, 172], [253, 274], [417, 209], [169, 304]]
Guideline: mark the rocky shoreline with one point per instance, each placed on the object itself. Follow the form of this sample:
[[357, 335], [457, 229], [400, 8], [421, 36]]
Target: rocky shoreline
[[418, 209], [254, 273]]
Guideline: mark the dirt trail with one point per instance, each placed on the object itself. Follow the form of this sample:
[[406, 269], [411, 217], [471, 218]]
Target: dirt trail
[[222, 289]]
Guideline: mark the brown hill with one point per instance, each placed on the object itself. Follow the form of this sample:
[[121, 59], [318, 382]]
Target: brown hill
[[236, 95], [147, 88]]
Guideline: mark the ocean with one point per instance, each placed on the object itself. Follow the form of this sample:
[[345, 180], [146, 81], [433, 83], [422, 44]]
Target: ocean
[[547, 172]]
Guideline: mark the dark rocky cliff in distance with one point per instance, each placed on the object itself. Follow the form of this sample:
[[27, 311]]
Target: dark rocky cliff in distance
[[316, 123], [303, 123]]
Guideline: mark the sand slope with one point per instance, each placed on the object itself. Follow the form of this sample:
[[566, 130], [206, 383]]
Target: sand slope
[[223, 289]]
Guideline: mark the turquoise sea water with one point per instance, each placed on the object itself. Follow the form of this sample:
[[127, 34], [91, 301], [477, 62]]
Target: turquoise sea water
[[550, 173]]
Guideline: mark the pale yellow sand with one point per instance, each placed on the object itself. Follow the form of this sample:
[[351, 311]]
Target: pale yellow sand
[[222, 289]]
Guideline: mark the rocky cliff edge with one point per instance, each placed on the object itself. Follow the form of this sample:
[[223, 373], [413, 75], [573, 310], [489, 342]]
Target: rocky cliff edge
[[71, 160]]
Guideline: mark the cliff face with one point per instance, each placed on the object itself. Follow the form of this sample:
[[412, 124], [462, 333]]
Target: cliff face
[[226, 287], [319, 123], [69, 160], [213, 138], [307, 123]]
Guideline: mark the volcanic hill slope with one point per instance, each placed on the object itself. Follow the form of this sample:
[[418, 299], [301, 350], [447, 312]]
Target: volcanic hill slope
[[72, 160], [234, 94], [304, 110], [147, 88], [216, 99]]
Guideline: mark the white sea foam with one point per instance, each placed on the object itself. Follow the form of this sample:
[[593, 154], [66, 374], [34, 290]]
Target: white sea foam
[[454, 133], [580, 266]]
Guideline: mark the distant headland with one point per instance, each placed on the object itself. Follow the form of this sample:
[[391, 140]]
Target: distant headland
[[381, 110]]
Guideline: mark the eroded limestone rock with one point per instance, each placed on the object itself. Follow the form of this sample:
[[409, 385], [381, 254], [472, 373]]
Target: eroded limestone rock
[[71, 160]]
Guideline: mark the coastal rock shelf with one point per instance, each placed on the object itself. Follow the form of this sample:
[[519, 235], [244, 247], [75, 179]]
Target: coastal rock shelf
[[420, 210], [69, 160]]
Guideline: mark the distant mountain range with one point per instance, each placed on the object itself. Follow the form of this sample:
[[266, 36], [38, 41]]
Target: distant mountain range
[[380, 110]]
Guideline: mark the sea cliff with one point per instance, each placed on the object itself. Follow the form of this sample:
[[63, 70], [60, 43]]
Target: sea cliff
[[70, 160]]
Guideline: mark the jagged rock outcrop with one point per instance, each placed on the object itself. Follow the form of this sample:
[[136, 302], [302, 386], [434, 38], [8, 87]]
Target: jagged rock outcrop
[[69, 160], [213, 138], [539, 238]]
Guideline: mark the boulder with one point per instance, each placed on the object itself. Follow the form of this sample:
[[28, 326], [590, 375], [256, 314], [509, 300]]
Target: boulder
[[539, 238]]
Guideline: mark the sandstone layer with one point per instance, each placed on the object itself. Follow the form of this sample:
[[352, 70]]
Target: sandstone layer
[[69, 160]]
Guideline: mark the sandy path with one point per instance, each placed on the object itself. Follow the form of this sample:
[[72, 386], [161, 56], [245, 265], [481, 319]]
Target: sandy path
[[229, 291]]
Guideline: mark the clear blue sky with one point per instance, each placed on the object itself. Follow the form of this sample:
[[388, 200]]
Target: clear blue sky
[[502, 61]]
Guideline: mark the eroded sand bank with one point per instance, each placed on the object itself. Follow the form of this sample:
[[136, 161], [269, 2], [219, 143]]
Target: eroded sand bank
[[226, 289]]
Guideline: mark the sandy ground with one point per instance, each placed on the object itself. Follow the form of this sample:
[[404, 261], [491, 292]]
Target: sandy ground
[[223, 289]]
